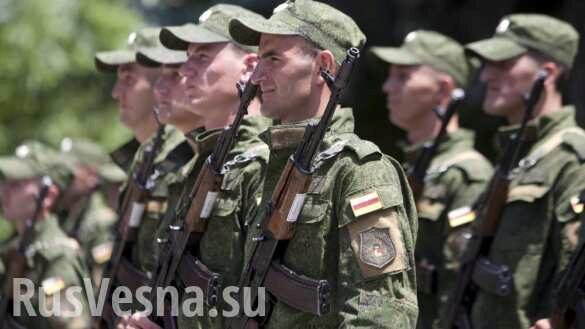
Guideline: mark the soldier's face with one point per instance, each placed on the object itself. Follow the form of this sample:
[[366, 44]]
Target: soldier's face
[[507, 82], [211, 73], [170, 96], [18, 198], [286, 74], [134, 93], [411, 94]]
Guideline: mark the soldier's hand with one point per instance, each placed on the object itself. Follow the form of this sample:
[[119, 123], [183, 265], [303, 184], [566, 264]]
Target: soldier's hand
[[542, 324], [138, 320]]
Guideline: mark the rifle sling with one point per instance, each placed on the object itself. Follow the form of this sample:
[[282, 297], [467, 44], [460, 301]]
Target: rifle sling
[[194, 273], [298, 291]]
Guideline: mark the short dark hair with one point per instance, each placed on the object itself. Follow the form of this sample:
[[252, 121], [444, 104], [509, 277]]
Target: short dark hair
[[562, 81]]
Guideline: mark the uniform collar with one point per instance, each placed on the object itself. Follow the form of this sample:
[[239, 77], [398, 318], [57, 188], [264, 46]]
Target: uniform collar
[[289, 135], [47, 227], [539, 128], [461, 138], [203, 141]]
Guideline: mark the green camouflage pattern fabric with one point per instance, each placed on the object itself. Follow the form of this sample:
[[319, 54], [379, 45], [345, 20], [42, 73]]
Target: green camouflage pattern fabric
[[538, 230], [53, 263], [221, 247], [91, 222], [348, 167], [456, 177], [144, 253]]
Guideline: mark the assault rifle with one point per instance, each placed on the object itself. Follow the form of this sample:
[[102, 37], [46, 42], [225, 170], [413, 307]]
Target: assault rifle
[[569, 309], [131, 210], [193, 213], [264, 268], [417, 172], [484, 229], [17, 266]]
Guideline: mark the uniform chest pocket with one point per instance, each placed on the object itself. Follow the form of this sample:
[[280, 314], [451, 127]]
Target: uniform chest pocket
[[313, 211], [527, 193]]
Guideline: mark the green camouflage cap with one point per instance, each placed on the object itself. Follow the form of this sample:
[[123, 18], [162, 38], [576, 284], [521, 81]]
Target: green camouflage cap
[[108, 61], [317, 22], [34, 159], [516, 34], [429, 48], [85, 152], [213, 27], [155, 57]]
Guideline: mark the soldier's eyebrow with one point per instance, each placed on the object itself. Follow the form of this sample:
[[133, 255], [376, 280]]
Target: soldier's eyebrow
[[270, 53]]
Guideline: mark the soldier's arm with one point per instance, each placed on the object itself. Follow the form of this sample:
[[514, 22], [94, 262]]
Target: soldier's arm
[[376, 219]]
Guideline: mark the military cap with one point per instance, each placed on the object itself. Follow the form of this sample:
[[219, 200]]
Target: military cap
[[429, 48], [34, 159], [317, 22], [85, 152], [155, 57], [517, 34], [108, 61], [212, 28]]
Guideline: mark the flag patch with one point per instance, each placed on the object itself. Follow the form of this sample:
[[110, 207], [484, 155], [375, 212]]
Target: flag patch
[[577, 204], [461, 216], [365, 204]]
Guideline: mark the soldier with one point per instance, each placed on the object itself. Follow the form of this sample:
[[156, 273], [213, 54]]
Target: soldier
[[85, 213], [357, 225], [53, 260], [539, 225], [216, 63], [423, 74]]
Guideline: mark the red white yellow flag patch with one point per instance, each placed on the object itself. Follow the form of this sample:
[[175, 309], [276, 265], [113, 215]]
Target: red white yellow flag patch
[[461, 216], [365, 204]]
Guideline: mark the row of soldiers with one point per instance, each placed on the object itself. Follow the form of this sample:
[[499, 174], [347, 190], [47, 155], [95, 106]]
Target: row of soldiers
[[389, 257]]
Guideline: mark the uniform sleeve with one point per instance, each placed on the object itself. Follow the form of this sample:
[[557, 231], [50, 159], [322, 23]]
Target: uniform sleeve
[[376, 284], [567, 233], [63, 279]]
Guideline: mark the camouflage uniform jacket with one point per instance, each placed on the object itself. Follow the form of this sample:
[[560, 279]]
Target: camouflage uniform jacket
[[172, 156], [539, 225], [221, 247], [356, 229], [54, 263], [456, 177]]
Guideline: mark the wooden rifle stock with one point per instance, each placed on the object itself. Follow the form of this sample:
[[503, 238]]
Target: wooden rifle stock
[[288, 197], [483, 230]]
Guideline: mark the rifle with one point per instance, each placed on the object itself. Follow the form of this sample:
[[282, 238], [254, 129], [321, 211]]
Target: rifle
[[194, 209], [17, 265], [569, 308], [416, 173], [283, 210], [132, 208], [484, 231]]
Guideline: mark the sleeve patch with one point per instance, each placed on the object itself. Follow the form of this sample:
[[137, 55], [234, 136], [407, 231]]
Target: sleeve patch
[[377, 242], [53, 285], [577, 204], [461, 216], [365, 204], [102, 252]]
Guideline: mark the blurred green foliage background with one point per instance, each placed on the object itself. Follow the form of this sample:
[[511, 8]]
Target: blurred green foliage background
[[49, 88]]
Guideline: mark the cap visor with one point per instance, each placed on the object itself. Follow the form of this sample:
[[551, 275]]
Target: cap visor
[[108, 61], [398, 56], [248, 31], [14, 168], [155, 57], [495, 49], [179, 37]]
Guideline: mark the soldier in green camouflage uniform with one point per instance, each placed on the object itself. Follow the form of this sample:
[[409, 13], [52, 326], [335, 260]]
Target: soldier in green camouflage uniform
[[539, 225], [357, 225], [85, 213], [423, 74], [221, 247], [54, 261]]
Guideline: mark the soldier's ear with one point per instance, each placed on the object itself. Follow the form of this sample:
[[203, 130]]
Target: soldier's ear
[[554, 71], [446, 86], [325, 61], [52, 197], [250, 63]]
